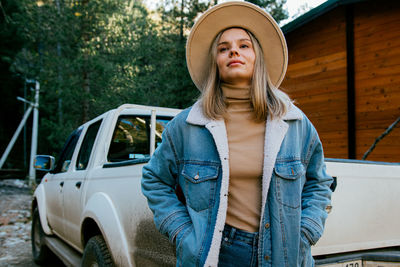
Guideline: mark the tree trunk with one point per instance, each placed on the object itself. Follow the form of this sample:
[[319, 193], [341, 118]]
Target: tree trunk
[[85, 73], [59, 70], [86, 90]]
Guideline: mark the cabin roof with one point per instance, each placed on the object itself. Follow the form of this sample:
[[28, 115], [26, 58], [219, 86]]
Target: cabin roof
[[315, 13]]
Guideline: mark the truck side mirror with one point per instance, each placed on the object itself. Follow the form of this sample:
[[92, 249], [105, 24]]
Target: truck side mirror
[[44, 163]]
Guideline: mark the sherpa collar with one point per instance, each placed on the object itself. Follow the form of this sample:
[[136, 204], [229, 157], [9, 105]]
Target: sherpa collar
[[197, 117]]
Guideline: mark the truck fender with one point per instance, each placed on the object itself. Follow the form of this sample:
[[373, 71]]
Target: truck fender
[[101, 209], [40, 197]]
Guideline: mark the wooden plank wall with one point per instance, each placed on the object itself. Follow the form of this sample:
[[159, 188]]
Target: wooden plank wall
[[377, 77], [316, 78]]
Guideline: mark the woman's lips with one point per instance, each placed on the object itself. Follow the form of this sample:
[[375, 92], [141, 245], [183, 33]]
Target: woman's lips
[[235, 62]]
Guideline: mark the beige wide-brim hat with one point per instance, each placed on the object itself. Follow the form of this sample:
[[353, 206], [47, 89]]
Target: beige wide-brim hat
[[243, 15]]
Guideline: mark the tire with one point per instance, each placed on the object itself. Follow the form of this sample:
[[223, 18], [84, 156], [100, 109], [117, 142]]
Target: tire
[[41, 253], [96, 253]]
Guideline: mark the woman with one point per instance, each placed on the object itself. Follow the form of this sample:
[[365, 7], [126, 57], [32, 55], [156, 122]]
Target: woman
[[239, 179]]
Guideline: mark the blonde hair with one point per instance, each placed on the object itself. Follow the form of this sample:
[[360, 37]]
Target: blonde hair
[[265, 98]]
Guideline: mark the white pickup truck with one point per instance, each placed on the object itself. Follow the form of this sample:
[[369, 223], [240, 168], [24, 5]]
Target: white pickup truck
[[89, 209]]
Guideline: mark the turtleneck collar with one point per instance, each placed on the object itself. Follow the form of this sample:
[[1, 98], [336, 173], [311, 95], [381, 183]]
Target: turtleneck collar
[[237, 97], [235, 92]]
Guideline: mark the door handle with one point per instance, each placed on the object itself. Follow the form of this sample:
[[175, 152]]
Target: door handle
[[62, 184], [78, 185]]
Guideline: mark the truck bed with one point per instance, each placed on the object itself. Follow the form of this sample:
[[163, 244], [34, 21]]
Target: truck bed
[[365, 211]]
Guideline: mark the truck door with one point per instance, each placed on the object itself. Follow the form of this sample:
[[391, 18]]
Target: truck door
[[74, 186], [54, 185]]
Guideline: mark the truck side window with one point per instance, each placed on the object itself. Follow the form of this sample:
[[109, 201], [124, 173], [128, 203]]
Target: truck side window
[[131, 137], [87, 146], [64, 159]]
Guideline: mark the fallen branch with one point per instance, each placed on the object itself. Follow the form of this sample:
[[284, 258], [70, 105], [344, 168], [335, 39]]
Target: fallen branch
[[386, 132]]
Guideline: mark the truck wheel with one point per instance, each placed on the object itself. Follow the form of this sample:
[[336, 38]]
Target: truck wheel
[[96, 253], [41, 253]]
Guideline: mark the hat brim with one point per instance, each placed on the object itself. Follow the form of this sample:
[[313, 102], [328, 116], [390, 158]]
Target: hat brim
[[243, 15]]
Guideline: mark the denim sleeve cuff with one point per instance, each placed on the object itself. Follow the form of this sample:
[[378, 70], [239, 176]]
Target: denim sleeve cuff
[[311, 230], [178, 232], [174, 223]]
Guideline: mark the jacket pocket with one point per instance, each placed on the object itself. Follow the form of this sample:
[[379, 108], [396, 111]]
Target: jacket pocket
[[289, 183], [200, 184]]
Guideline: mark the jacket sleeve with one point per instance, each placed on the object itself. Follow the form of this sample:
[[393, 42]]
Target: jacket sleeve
[[316, 193], [159, 181]]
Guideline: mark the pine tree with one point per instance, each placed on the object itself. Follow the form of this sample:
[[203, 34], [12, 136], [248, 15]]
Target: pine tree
[[273, 7]]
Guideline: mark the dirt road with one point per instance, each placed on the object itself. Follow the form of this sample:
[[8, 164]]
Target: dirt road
[[15, 224], [15, 217]]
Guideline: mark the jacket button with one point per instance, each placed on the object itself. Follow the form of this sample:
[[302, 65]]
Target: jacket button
[[328, 208], [267, 225], [196, 177], [266, 258]]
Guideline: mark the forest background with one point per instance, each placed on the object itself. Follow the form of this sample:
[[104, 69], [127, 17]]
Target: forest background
[[91, 56]]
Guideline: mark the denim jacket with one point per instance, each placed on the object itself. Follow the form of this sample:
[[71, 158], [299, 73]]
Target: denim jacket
[[193, 157]]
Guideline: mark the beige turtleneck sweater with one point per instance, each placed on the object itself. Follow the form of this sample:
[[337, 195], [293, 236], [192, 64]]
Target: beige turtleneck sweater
[[246, 154]]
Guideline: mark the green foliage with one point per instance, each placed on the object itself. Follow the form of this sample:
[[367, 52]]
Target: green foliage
[[10, 85], [273, 7], [94, 55]]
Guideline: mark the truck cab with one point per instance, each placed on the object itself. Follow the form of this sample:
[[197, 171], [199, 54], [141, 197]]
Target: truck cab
[[93, 189]]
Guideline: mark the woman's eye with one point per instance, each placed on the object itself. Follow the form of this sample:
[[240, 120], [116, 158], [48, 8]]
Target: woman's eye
[[223, 49], [244, 46]]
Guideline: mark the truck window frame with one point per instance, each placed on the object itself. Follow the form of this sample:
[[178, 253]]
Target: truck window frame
[[144, 157], [87, 145], [68, 150]]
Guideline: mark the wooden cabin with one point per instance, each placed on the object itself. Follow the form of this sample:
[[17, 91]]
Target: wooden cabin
[[344, 73]]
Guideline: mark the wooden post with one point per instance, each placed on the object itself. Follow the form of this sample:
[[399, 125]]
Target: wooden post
[[351, 109]]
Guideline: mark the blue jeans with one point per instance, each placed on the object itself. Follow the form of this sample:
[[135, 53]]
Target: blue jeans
[[238, 248]]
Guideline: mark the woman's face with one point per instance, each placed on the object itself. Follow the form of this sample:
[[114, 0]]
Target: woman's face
[[235, 57]]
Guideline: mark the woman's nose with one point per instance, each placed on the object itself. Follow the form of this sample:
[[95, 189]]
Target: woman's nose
[[233, 52]]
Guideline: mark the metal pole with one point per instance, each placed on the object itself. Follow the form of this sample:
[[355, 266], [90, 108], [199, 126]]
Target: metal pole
[[14, 138], [152, 132], [32, 173], [24, 135]]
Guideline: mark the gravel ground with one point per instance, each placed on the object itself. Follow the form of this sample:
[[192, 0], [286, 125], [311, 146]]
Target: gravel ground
[[15, 224]]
